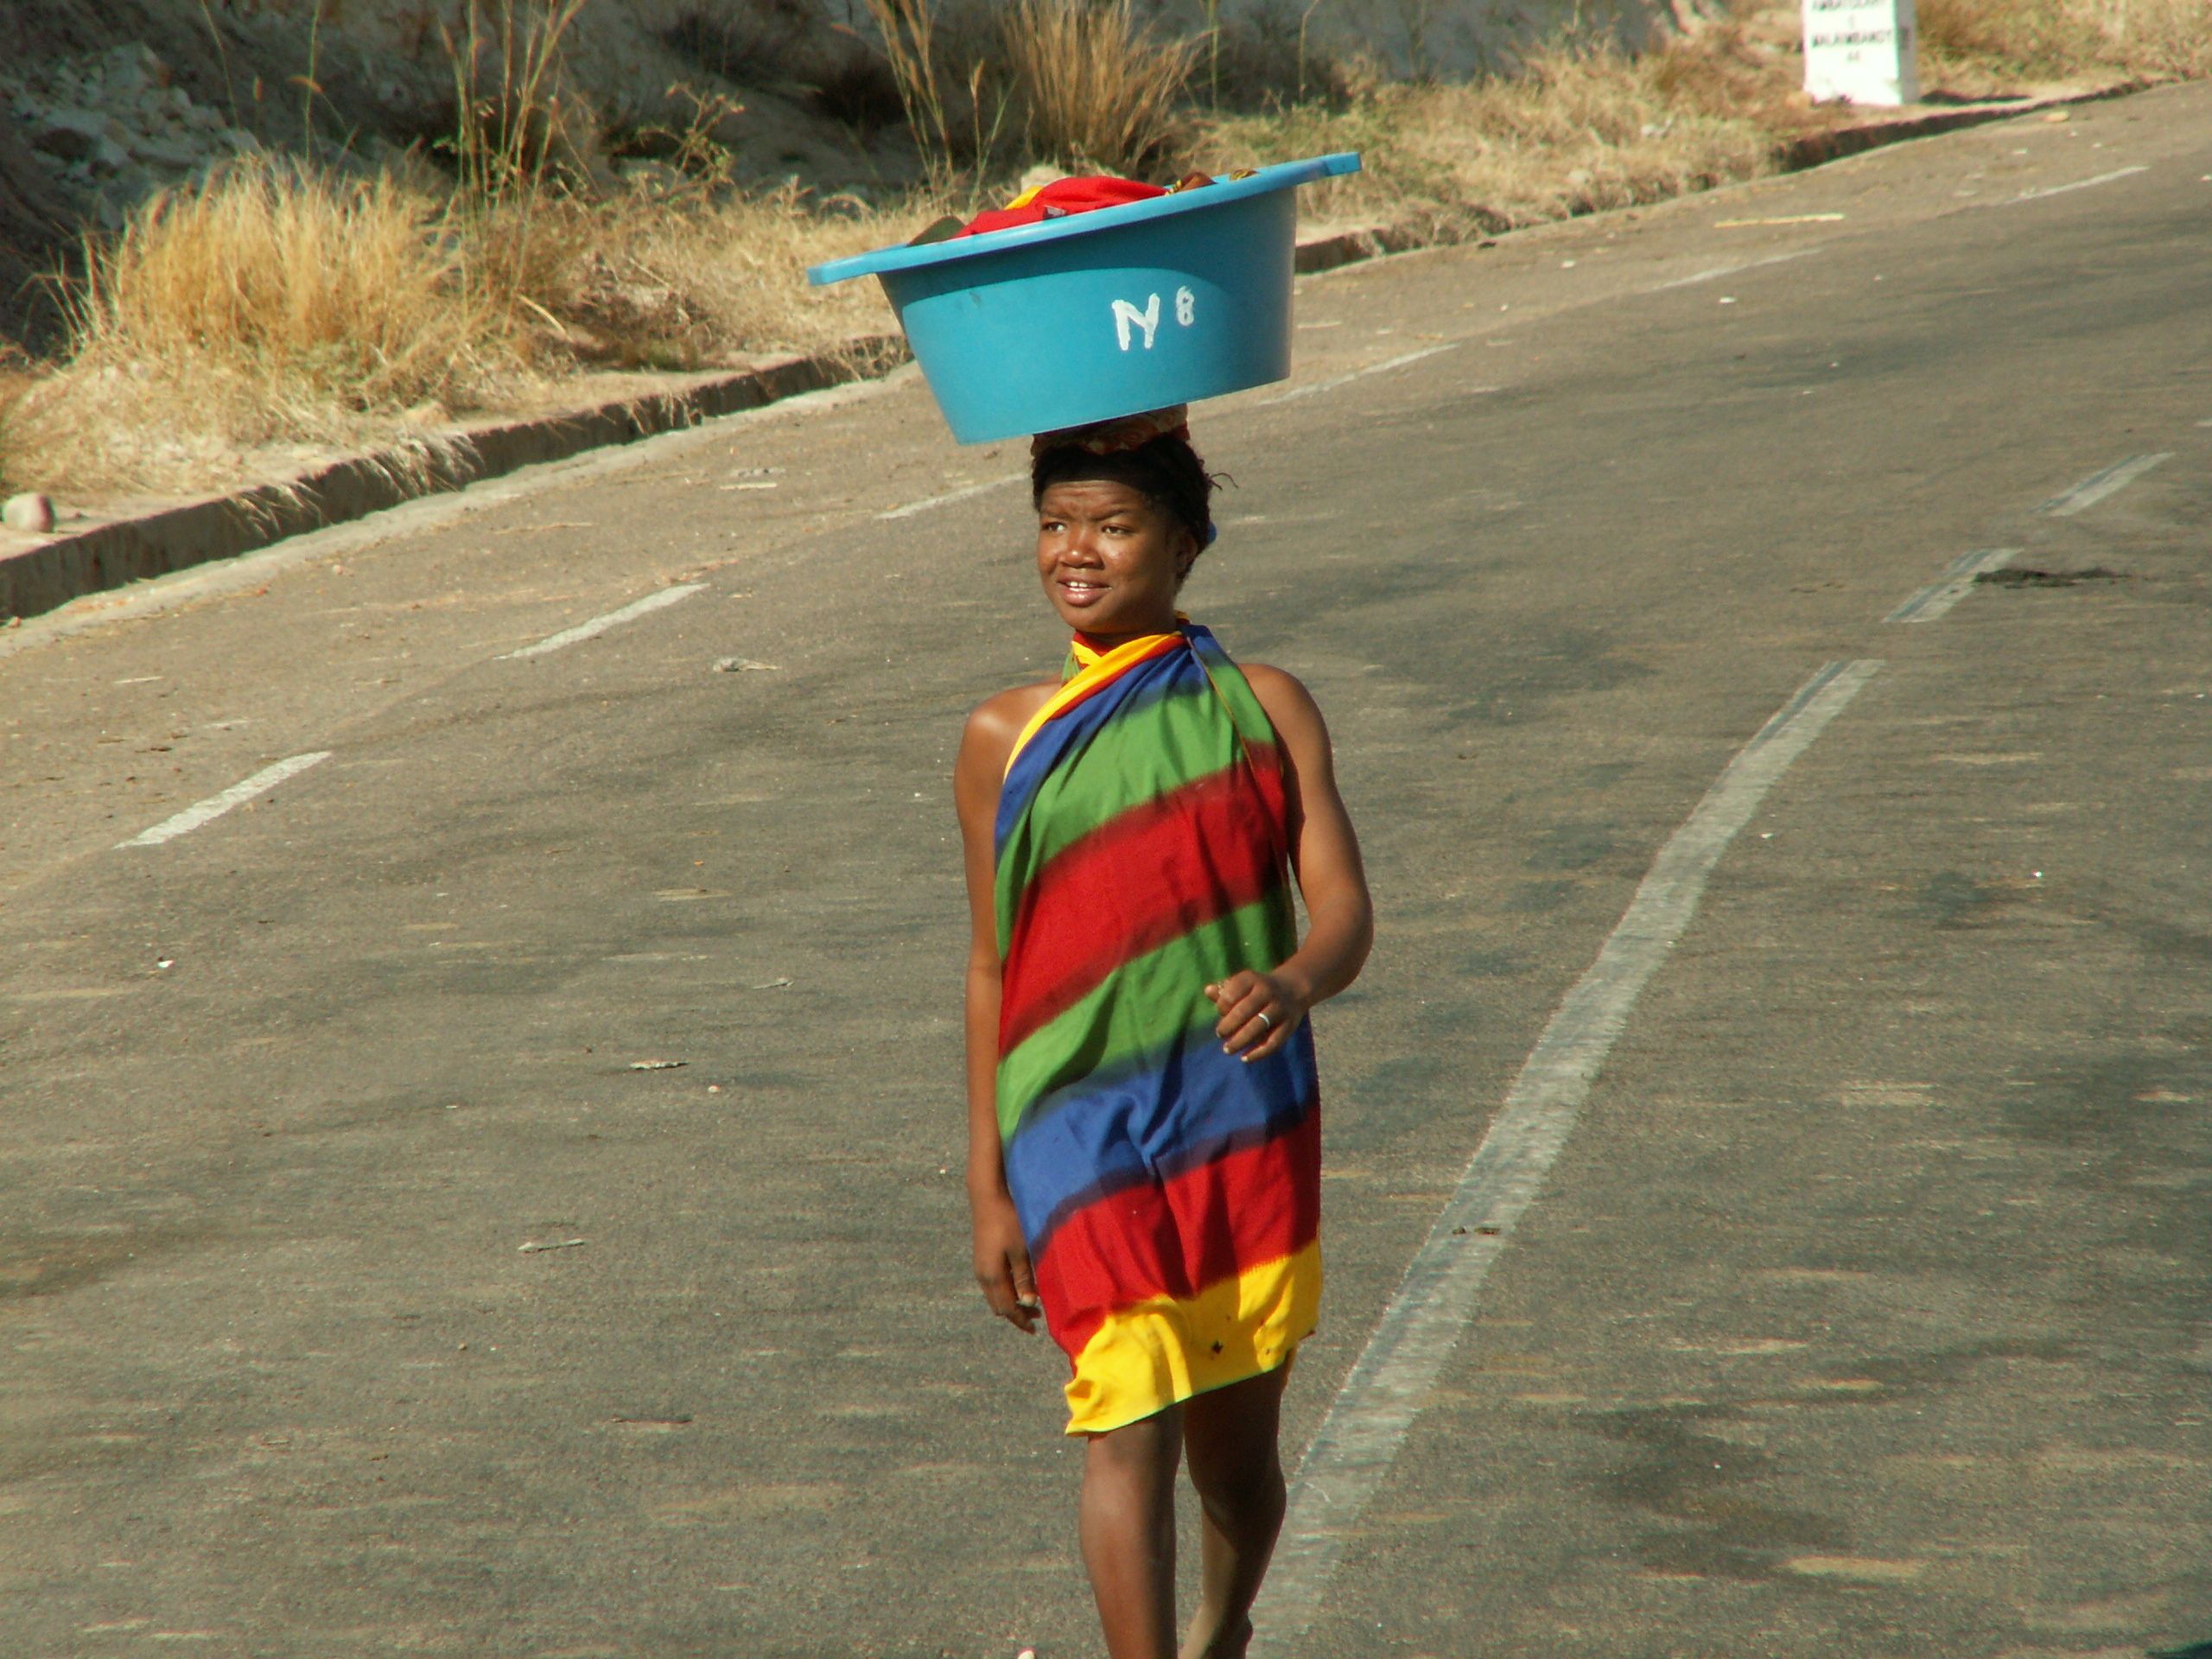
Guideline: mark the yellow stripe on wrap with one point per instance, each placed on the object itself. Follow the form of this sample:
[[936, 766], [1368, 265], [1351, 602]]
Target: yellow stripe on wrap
[[1098, 667], [1152, 1354]]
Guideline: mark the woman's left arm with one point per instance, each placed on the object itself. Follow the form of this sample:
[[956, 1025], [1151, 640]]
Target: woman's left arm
[[1325, 853]]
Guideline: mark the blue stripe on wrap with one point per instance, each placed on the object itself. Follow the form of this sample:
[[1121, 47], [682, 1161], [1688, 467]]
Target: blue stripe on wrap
[[1149, 1121]]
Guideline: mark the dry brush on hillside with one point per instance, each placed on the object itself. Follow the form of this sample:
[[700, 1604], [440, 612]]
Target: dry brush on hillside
[[315, 301]]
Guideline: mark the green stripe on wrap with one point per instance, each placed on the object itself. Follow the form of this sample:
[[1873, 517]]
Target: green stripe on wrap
[[1145, 1003], [1246, 712]]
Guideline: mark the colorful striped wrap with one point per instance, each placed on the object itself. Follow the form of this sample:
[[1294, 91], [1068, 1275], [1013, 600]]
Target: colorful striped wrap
[[1169, 1193]]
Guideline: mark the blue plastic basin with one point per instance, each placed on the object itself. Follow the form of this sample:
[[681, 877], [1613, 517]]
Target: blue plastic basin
[[1103, 313]]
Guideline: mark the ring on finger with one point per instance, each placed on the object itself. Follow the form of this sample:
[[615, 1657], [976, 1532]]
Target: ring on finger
[[1266, 1024]]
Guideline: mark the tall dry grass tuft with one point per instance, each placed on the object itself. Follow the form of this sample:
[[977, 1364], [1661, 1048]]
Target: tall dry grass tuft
[[272, 302], [516, 121], [1097, 88], [347, 287], [519, 138], [908, 31]]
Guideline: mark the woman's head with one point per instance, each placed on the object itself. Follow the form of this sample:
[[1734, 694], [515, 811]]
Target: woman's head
[[1163, 468], [1117, 531]]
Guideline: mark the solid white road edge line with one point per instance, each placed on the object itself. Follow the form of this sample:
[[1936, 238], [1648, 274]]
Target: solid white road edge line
[[1356, 374], [2095, 487], [1954, 585], [1357, 1442], [215, 805], [950, 496], [599, 625]]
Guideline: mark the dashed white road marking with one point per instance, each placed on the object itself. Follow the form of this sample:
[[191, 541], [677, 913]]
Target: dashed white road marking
[[1954, 585], [2063, 189], [2095, 487], [1779, 218], [1383, 367], [1358, 1439], [215, 805], [1718, 271], [950, 496], [598, 624]]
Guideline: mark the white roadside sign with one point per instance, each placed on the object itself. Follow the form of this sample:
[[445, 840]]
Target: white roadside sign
[[1860, 51]]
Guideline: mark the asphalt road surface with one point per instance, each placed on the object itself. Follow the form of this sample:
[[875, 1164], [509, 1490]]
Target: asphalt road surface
[[492, 1186]]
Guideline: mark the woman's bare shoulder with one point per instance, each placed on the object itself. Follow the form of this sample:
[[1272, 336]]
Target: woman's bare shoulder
[[997, 721], [1285, 699]]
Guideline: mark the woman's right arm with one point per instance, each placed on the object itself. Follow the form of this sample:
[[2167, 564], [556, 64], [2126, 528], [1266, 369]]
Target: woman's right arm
[[1001, 1257]]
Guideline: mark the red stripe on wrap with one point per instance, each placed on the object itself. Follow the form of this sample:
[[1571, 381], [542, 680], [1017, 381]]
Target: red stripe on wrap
[[1084, 913], [1239, 1211]]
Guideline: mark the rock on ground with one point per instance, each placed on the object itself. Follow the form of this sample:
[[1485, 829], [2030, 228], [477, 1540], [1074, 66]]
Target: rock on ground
[[30, 513]]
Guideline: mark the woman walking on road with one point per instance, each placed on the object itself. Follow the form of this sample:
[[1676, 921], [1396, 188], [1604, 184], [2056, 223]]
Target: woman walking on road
[[1144, 1164]]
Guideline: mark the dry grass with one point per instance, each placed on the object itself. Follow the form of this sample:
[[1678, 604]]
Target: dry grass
[[1988, 44], [1088, 83], [1097, 88], [272, 304], [1578, 131], [278, 305], [2043, 38], [908, 30], [2159, 37], [694, 282], [516, 120], [15, 384]]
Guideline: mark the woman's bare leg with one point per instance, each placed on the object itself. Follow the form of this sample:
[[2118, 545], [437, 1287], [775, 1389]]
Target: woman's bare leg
[[1229, 1435], [1127, 1526]]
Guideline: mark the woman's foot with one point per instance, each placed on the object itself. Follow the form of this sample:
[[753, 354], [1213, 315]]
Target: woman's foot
[[1224, 1645]]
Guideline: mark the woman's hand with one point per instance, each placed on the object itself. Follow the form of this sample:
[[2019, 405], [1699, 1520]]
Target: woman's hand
[[1258, 1013], [1003, 1261]]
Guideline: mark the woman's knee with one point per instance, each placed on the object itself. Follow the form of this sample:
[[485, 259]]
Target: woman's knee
[[1141, 1447], [1231, 1446]]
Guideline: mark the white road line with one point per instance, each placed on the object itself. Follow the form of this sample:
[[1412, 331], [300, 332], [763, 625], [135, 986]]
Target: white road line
[[1730, 271], [1359, 374], [1954, 585], [950, 496], [2063, 189], [2095, 487], [1359, 1438], [599, 625], [215, 805]]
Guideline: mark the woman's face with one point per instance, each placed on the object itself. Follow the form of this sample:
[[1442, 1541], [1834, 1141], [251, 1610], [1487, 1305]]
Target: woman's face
[[1110, 558]]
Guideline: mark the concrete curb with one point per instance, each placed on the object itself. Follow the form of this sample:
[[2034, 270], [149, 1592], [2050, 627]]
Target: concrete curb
[[1811, 151], [43, 578], [1349, 247]]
